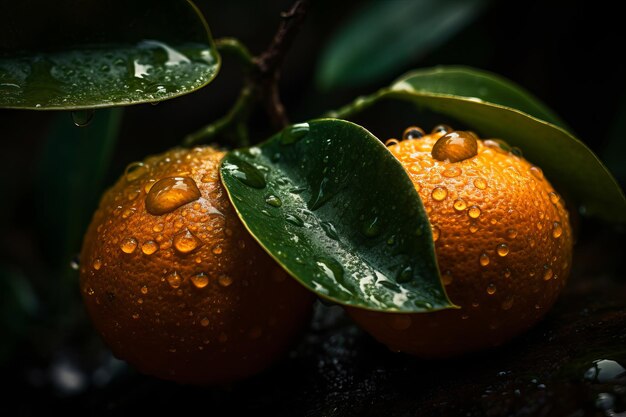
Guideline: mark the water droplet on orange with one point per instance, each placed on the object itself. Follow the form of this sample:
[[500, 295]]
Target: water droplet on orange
[[547, 274], [135, 316], [554, 197], [144, 290], [204, 322], [484, 259], [480, 183], [455, 147], [557, 230], [200, 280], [439, 193], [97, 264], [441, 129], [128, 245], [186, 242], [225, 281], [174, 279], [451, 172], [459, 205], [473, 212], [537, 172], [507, 273], [149, 247], [413, 132], [217, 250], [167, 194], [473, 228], [158, 228], [90, 291], [134, 171], [502, 249], [491, 289], [391, 142], [511, 233]]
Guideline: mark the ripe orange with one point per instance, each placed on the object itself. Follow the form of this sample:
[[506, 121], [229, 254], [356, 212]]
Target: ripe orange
[[502, 238], [174, 283]]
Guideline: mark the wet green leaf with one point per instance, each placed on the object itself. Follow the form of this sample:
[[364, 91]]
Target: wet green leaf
[[495, 107], [383, 37], [69, 55], [338, 211]]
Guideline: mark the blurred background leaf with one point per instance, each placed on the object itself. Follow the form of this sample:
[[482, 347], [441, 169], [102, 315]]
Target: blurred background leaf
[[384, 37], [62, 55]]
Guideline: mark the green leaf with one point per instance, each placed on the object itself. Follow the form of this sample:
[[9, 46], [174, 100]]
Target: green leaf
[[71, 179], [495, 107], [383, 37], [338, 211], [71, 55]]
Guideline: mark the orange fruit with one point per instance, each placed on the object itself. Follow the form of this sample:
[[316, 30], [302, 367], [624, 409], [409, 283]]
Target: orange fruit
[[175, 284], [502, 238]]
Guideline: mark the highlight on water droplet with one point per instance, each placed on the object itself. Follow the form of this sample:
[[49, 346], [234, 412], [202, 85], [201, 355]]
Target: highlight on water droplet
[[128, 245], [204, 322], [167, 194], [294, 133], [413, 132], [144, 290], [134, 171], [554, 197], [82, 118], [186, 242], [557, 230], [244, 172], [273, 200], [293, 219], [371, 228], [484, 259], [502, 249], [149, 247], [480, 183], [511, 233], [439, 193], [200, 280], [391, 142], [491, 289], [217, 250], [473, 228], [75, 263], [474, 212], [537, 172], [405, 274], [174, 279], [455, 147], [547, 273], [459, 205], [435, 231], [330, 230], [441, 129]]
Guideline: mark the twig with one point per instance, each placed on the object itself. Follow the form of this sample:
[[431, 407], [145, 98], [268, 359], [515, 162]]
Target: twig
[[262, 76]]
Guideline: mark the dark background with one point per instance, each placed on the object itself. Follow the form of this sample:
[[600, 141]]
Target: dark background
[[568, 53]]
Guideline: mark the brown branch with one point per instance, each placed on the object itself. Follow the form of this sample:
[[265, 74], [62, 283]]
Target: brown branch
[[266, 73]]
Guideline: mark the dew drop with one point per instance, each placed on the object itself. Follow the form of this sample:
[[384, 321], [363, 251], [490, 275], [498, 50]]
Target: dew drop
[[484, 259], [371, 228], [217, 250], [439, 193], [186, 242], [149, 247], [332, 269], [413, 132], [330, 230], [82, 118], [293, 219], [294, 133], [473, 212], [451, 172], [246, 173], [225, 280], [97, 264], [441, 129], [204, 322], [134, 171], [537, 172], [405, 274], [273, 201], [128, 245], [554, 197], [511, 233], [174, 279], [135, 316], [167, 194], [391, 142], [144, 290], [557, 230], [320, 194], [157, 228], [491, 289], [473, 228], [480, 183], [455, 147], [502, 249], [200, 280], [547, 274], [75, 263], [507, 273], [459, 205]]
